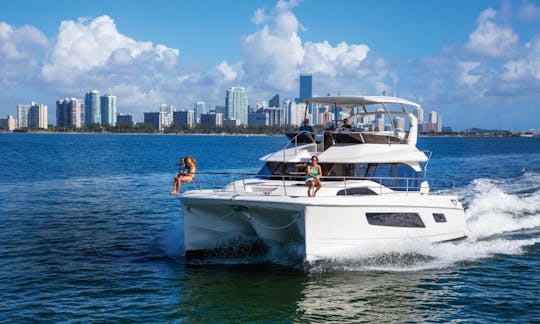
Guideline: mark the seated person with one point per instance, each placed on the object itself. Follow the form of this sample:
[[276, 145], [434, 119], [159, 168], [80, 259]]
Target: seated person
[[306, 127], [345, 127], [186, 173], [313, 176]]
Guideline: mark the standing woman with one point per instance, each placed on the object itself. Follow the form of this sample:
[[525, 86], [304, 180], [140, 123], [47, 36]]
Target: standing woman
[[189, 174], [313, 176]]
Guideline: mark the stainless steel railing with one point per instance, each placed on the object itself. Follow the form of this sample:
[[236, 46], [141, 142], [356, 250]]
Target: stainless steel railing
[[379, 185]]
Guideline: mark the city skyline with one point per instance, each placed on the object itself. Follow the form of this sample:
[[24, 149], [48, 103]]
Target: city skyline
[[477, 65]]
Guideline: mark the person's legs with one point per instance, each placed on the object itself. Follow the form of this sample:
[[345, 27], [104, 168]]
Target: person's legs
[[310, 186], [174, 190], [184, 178], [318, 185]]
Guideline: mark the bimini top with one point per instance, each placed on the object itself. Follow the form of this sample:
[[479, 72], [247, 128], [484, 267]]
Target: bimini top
[[349, 102]]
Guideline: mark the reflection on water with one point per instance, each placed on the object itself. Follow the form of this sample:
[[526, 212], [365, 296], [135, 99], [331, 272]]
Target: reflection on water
[[253, 292], [375, 297], [246, 292]]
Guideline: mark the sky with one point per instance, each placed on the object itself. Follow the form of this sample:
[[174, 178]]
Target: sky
[[477, 63]]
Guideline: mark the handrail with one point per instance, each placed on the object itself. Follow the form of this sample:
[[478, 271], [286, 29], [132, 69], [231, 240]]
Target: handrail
[[295, 139], [395, 184]]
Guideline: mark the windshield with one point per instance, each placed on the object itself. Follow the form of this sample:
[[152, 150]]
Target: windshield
[[384, 173]]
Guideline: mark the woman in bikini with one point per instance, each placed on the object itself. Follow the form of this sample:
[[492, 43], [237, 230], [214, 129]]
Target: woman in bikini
[[185, 176], [313, 176]]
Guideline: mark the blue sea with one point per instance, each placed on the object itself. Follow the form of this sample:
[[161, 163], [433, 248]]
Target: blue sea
[[89, 233]]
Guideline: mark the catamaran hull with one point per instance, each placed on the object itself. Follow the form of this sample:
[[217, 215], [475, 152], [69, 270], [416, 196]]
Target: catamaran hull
[[327, 227]]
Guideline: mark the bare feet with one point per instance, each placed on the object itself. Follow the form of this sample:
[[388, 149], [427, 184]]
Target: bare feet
[[174, 193]]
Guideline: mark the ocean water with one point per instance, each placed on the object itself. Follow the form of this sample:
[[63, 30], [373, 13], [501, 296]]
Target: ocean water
[[89, 232]]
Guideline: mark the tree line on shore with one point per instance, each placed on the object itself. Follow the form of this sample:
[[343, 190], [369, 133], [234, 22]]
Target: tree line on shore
[[198, 129]]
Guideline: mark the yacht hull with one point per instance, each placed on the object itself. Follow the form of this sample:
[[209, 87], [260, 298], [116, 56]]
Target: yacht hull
[[327, 227]]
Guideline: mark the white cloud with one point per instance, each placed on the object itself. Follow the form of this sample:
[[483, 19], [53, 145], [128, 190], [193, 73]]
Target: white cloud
[[467, 76], [20, 50], [228, 73], [259, 17], [525, 68], [274, 56], [83, 46], [490, 39]]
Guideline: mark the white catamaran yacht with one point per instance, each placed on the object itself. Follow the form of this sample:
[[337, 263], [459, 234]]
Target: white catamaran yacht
[[374, 190]]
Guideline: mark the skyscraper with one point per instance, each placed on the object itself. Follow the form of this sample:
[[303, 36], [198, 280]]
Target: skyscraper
[[92, 108], [156, 119], [419, 114], [37, 116], [108, 109], [69, 112], [200, 108], [22, 115], [306, 85], [237, 104], [184, 118], [274, 102]]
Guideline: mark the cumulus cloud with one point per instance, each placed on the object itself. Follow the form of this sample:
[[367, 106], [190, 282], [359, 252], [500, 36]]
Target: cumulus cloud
[[274, 56], [20, 50], [85, 45], [527, 67], [490, 39], [468, 76], [228, 72]]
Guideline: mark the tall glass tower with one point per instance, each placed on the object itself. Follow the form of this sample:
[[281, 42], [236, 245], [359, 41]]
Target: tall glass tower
[[306, 83], [108, 109], [92, 108], [200, 108], [236, 105]]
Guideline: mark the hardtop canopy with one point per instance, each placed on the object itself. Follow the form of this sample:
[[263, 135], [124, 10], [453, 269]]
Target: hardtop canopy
[[356, 101]]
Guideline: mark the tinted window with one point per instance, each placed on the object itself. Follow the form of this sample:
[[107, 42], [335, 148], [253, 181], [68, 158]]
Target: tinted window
[[439, 218], [395, 219], [360, 191]]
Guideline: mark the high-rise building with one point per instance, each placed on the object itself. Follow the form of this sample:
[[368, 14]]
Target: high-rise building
[[274, 102], [433, 117], [295, 112], [200, 108], [22, 115], [419, 114], [276, 116], [69, 113], [258, 119], [8, 123], [168, 110], [126, 119], [232, 123], [212, 120], [306, 85], [236, 104], [156, 119], [184, 118], [108, 109], [399, 123], [92, 108], [37, 116]]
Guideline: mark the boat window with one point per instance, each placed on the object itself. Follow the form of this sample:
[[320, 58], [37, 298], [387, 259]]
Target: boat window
[[269, 168], [395, 219], [439, 218], [359, 191], [400, 177], [292, 171]]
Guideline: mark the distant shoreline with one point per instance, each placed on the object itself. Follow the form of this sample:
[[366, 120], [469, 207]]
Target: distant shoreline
[[519, 134]]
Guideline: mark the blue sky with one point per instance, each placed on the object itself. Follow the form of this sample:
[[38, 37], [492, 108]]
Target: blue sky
[[475, 62]]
